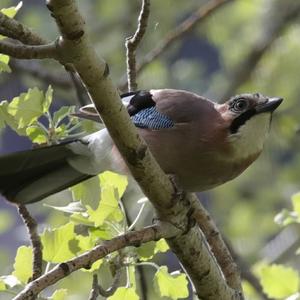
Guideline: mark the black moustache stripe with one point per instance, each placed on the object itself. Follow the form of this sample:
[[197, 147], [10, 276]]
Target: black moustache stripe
[[241, 120]]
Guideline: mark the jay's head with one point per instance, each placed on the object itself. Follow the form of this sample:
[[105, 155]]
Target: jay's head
[[248, 117]]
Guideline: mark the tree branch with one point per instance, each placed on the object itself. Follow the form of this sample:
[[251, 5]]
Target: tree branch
[[29, 52], [218, 246], [173, 36], [132, 44], [36, 243], [85, 260], [172, 207], [16, 30]]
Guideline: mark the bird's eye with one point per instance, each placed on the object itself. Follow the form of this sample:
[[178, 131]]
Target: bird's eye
[[240, 105]]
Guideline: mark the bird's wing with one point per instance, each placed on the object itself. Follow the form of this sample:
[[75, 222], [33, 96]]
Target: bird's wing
[[158, 109]]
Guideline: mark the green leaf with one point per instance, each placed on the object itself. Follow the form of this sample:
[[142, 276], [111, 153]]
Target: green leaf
[[47, 99], [62, 113], [4, 60], [123, 293], [296, 203], [8, 119], [108, 208], [2, 285], [57, 243], [170, 285], [23, 264], [88, 192], [103, 233], [36, 134], [60, 294], [11, 11], [113, 179], [147, 250], [27, 108], [161, 246], [279, 281]]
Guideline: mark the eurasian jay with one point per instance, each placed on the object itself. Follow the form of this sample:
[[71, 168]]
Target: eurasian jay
[[202, 143]]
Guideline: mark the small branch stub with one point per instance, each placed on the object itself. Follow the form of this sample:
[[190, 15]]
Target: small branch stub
[[132, 44]]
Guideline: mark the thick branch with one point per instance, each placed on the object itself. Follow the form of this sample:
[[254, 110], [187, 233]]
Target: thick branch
[[171, 206], [14, 29], [183, 28], [31, 225], [85, 260], [132, 44], [28, 52]]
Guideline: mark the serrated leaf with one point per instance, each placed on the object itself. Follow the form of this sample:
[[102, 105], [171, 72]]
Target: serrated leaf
[[120, 182], [27, 108], [108, 208], [57, 243], [72, 207], [23, 264], [173, 286], [279, 281], [296, 203], [60, 294], [88, 192], [36, 134], [4, 60], [2, 285], [123, 293], [62, 113]]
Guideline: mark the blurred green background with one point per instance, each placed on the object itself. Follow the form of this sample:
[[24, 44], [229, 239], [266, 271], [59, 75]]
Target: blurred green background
[[245, 46]]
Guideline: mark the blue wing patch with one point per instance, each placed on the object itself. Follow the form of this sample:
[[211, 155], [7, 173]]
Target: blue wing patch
[[152, 119]]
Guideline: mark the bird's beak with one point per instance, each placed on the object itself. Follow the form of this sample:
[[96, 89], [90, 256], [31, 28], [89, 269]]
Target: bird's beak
[[268, 106]]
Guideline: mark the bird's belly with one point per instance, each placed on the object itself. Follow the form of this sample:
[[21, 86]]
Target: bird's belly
[[207, 173]]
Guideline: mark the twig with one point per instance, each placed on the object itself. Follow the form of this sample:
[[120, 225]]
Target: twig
[[85, 260], [133, 42], [31, 225], [186, 26], [81, 92], [115, 284], [94, 291], [20, 32], [27, 51], [218, 246]]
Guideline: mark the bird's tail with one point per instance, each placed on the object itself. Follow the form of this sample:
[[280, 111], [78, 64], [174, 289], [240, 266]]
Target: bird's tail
[[29, 176]]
